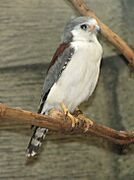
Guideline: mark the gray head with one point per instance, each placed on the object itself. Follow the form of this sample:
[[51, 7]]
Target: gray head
[[80, 27]]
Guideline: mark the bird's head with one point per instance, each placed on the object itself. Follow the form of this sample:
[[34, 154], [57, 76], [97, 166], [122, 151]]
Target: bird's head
[[81, 28]]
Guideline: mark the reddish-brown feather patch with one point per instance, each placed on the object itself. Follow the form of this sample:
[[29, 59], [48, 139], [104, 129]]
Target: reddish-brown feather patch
[[58, 52]]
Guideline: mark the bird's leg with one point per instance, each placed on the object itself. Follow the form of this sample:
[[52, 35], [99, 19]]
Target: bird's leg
[[67, 113], [77, 112]]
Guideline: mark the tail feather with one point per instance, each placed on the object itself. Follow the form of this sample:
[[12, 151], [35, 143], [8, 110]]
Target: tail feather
[[36, 141]]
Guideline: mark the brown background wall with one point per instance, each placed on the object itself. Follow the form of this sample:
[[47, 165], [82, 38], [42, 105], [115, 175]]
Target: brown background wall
[[30, 31]]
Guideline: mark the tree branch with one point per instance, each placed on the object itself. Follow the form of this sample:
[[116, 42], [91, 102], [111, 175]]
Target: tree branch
[[57, 121], [106, 31]]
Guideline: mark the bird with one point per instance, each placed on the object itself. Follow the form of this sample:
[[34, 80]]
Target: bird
[[72, 74]]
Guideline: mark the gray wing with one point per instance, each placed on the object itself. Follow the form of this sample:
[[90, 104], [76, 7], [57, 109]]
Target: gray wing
[[55, 72]]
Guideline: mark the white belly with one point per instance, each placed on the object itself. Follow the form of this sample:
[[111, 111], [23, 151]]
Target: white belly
[[79, 79]]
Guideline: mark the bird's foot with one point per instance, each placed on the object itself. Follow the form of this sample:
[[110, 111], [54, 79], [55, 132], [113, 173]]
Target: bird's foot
[[73, 119], [88, 123], [67, 114], [77, 112]]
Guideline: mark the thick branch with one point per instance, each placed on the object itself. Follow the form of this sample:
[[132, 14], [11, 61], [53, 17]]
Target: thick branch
[[56, 121], [106, 31]]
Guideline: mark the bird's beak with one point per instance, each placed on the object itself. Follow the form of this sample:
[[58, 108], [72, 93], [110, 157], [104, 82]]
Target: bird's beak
[[97, 28], [93, 28]]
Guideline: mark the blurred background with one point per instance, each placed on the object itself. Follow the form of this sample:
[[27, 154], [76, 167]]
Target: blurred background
[[30, 31]]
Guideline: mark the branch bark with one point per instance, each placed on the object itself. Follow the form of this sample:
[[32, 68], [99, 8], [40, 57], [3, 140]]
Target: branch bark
[[56, 121], [106, 31]]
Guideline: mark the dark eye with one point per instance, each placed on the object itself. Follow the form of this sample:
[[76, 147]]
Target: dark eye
[[83, 26]]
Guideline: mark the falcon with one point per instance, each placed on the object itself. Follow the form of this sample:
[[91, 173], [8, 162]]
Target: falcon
[[72, 74]]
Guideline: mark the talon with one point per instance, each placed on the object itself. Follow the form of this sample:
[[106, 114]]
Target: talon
[[73, 119], [88, 125], [67, 114]]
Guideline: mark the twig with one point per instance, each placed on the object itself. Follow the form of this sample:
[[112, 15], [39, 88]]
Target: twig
[[56, 121], [106, 31]]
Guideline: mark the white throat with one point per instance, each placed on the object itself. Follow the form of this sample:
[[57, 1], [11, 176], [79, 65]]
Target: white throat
[[84, 36]]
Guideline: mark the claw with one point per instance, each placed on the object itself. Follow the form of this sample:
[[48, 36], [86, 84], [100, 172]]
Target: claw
[[67, 114], [73, 119], [88, 122]]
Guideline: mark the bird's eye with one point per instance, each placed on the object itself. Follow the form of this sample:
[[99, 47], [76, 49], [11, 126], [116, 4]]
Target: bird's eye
[[83, 26]]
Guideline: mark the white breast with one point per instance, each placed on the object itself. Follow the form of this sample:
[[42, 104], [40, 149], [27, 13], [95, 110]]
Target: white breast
[[79, 79]]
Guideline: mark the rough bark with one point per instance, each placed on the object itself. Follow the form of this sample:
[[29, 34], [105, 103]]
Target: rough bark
[[57, 121]]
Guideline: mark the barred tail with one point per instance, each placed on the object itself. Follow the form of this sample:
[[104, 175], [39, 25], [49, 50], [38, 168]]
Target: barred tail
[[36, 141]]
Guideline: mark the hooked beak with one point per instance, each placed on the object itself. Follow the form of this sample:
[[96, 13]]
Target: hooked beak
[[94, 28]]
